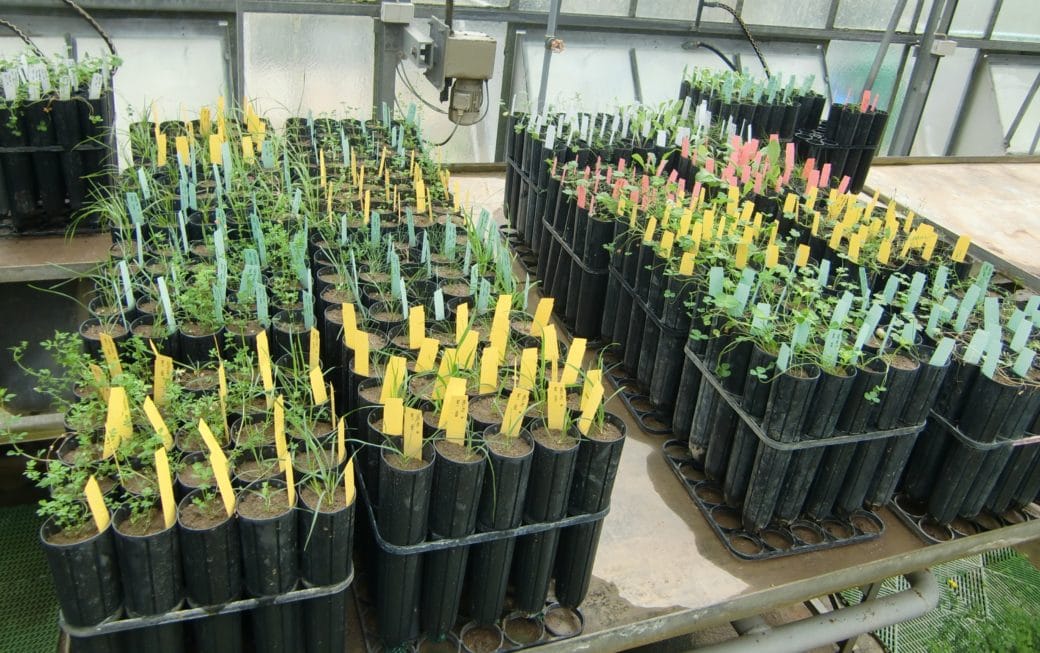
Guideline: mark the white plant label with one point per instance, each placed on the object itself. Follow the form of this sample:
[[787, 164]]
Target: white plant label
[[9, 80]]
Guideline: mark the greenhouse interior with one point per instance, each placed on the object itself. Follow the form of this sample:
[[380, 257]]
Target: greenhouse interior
[[489, 325]]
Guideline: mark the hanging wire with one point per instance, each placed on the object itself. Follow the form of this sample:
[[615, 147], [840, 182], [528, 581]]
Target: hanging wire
[[93, 23], [404, 79], [743, 26], [22, 35], [712, 48]]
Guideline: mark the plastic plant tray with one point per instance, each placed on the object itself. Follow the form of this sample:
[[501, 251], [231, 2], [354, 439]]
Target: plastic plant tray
[[915, 518], [777, 540]]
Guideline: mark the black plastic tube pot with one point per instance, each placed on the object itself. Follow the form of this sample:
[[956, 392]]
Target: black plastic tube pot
[[638, 317], [17, 168], [457, 483], [919, 403], [744, 447], [270, 562], [856, 417], [720, 424], [687, 392], [46, 164], [784, 421], [594, 474], [212, 566], [86, 575], [991, 402], [402, 519], [669, 358], [197, 349], [501, 506], [548, 492], [706, 398], [869, 455], [325, 623], [653, 329], [326, 538]]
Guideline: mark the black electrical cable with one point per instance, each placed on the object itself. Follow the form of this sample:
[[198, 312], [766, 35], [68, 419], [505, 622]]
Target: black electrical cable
[[487, 107], [743, 26], [404, 79], [712, 48]]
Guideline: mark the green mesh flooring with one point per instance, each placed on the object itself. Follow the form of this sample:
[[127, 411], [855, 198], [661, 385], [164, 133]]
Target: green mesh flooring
[[989, 602], [28, 609]]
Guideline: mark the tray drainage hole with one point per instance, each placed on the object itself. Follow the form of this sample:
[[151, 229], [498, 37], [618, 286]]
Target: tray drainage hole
[[727, 518], [935, 530], [836, 529], [443, 646], [562, 622], [866, 524], [480, 639], [677, 452], [1014, 516], [711, 495], [522, 629], [778, 540], [655, 424], [745, 544], [962, 527], [807, 533], [691, 473], [911, 507], [987, 521]]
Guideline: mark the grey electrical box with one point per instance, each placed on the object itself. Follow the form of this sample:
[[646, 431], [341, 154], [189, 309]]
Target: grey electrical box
[[469, 55]]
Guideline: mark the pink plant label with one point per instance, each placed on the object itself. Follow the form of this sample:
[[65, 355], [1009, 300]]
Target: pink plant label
[[874, 102], [844, 185], [592, 206], [813, 179], [660, 167], [686, 147], [696, 190], [672, 177], [810, 165], [645, 183], [745, 173], [788, 161], [709, 165], [617, 190], [610, 175], [825, 175], [599, 163], [621, 166], [758, 183], [864, 101], [554, 168], [634, 197], [582, 192], [588, 171], [682, 187]]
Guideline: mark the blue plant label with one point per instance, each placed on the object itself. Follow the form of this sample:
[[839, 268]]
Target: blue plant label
[[267, 155], [992, 360], [967, 307], [164, 298], [193, 196], [991, 312], [942, 275], [182, 224], [783, 359], [308, 309], [128, 291], [483, 296], [374, 232], [467, 256], [801, 335], [984, 276], [976, 347], [1033, 308], [841, 311], [527, 291], [1023, 362], [438, 304], [891, 288], [825, 271], [296, 200], [869, 325], [410, 221], [449, 239], [262, 306], [760, 318], [140, 245], [1016, 318], [715, 281], [424, 255], [831, 345], [133, 205], [142, 180], [909, 334], [913, 295], [1021, 336]]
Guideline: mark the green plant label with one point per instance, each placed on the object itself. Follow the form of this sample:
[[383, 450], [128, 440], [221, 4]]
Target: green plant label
[[449, 240], [1033, 308], [891, 289], [133, 205], [225, 152], [142, 180], [976, 347], [128, 291], [909, 334], [193, 196], [715, 281], [267, 155], [262, 309], [1016, 318], [164, 298], [9, 80], [831, 345], [991, 312], [308, 309], [218, 304], [297, 198], [474, 277], [1021, 336], [438, 304], [140, 245], [740, 299], [527, 291], [424, 256], [483, 296], [967, 307], [1023, 362], [941, 355], [841, 311], [870, 323], [783, 359], [218, 184], [825, 271], [374, 230], [760, 318], [410, 221], [989, 364], [800, 337], [467, 256], [984, 276], [940, 282], [181, 222], [913, 294]]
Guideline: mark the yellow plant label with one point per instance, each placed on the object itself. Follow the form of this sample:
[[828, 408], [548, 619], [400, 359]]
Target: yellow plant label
[[416, 326], [205, 121], [884, 251], [393, 379], [290, 482], [322, 177], [908, 222], [741, 256], [667, 240], [280, 443], [350, 327], [393, 416], [500, 326], [207, 436], [181, 143], [314, 353], [929, 246], [513, 417], [413, 432], [960, 250], [216, 157], [854, 248], [165, 480], [684, 223], [815, 223], [341, 440], [575, 358], [528, 369], [836, 236], [98, 509], [108, 348], [589, 408], [461, 322], [222, 387], [686, 264], [746, 210], [248, 149], [550, 344], [707, 223], [263, 357], [556, 405], [455, 413], [468, 350], [772, 256], [801, 257], [361, 355], [118, 427], [318, 391], [790, 201], [160, 150], [161, 376], [732, 200], [427, 356], [488, 369], [348, 482], [218, 461], [157, 422], [541, 315]]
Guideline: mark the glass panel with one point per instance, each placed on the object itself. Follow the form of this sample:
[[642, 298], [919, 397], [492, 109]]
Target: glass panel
[[680, 10], [592, 73], [1012, 81], [970, 18], [471, 144], [874, 14], [298, 63], [600, 7], [943, 103], [848, 63], [805, 13], [11, 45], [467, 3], [1019, 20]]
